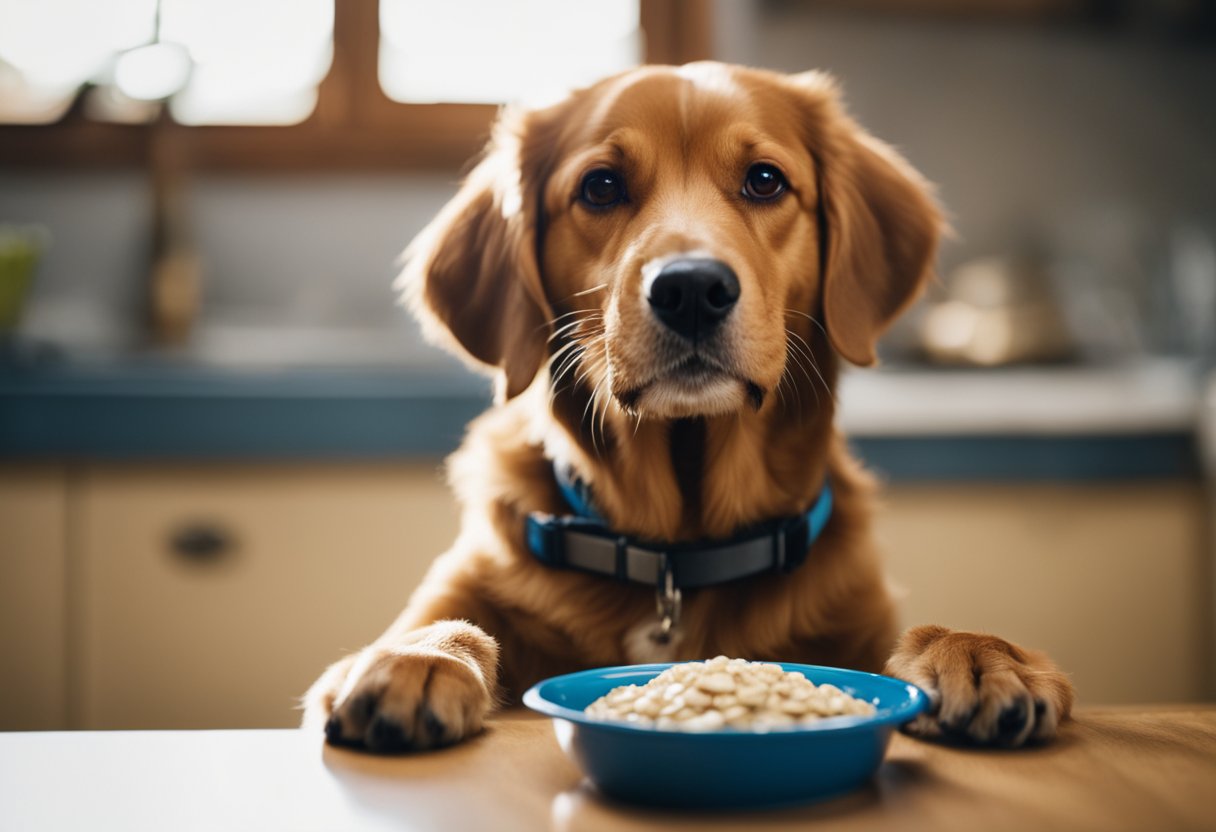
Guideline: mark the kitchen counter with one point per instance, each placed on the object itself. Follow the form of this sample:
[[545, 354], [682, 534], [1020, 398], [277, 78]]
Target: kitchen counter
[[1082, 423], [1111, 769], [134, 410]]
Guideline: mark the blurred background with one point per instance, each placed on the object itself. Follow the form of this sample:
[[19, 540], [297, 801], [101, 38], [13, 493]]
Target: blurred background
[[220, 437]]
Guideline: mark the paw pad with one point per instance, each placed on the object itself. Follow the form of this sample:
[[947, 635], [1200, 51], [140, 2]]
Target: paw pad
[[385, 736], [1011, 723]]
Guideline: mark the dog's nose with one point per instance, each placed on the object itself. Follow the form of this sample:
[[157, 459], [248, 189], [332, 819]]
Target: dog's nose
[[692, 296]]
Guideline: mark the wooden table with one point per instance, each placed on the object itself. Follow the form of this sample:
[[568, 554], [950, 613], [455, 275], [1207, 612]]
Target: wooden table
[[1136, 769]]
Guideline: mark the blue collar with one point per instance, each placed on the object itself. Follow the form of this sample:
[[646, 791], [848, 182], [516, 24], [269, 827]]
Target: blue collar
[[584, 542]]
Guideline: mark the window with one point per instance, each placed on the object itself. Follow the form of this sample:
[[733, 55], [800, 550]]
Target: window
[[253, 61], [536, 48], [216, 61], [305, 84], [49, 48]]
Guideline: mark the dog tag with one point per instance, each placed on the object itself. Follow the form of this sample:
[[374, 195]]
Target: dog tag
[[667, 602]]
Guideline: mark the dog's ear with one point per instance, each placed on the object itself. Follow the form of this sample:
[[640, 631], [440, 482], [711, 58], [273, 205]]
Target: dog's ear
[[879, 225], [472, 277]]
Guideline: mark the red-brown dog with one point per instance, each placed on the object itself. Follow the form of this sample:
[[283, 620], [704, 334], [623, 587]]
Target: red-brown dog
[[665, 270]]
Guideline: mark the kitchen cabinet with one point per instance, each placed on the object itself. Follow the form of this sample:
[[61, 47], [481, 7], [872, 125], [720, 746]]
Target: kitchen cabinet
[[212, 596], [209, 595], [1112, 580], [33, 611], [201, 595]]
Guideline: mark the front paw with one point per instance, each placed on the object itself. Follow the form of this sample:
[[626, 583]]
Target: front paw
[[406, 699], [983, 689]]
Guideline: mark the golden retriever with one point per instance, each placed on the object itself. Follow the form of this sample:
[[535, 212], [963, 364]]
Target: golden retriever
[[664, 271]]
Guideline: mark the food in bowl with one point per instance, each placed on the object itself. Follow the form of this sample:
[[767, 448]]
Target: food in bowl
[[727, 693], [732, 768]]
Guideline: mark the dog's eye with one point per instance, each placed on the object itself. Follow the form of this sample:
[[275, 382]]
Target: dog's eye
[[764, 182], [602, 188]]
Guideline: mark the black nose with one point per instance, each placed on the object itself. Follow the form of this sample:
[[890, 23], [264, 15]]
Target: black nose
[[691, 297]]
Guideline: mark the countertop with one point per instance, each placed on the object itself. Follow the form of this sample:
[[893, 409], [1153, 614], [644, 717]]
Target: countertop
[[1149, 768], [1071, 422]]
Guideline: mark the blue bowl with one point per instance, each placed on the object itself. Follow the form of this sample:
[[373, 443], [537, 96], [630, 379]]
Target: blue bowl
[[727, 768]]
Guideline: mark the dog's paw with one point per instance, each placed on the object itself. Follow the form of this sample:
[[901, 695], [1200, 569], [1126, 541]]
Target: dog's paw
[[982, 689], [394, 700]]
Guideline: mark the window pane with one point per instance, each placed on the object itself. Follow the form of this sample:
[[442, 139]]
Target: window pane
[[251, 61], [48, 48], [255, 61], [489, 51]]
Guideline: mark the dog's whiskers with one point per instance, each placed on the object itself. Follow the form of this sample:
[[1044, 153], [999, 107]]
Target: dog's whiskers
[[594, 402], [564, 356], [780, 382], [595, 341], [607, 403], [815, 366], [588, 316], [587, 408], [597, 412], [568, 361], [582, 375], [787, 376], [570, 356], [554, 321], [589, 332], [590, 291], [562, 330], [810, 318], [800, 360], [799, 357], [592, 311], [563, 351]]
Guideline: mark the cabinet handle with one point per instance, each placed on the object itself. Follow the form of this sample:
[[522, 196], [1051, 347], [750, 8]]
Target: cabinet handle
[[202, 542]]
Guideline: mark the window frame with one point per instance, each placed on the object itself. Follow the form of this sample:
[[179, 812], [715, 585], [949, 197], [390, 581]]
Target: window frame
[[355, 126]]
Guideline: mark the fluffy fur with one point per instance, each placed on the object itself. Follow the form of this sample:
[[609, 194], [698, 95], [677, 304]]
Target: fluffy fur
[[520, 275]]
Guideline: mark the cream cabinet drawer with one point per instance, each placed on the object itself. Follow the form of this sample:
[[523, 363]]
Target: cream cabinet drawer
[[1111, 580], [33, 558], [213, 596]]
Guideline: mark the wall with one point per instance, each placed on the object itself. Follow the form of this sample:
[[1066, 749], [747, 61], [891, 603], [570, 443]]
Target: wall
[[1020, 126], [1091, 147], [277, 251]]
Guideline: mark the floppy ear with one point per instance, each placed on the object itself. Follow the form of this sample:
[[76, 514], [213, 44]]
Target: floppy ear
[[879, 224], [471, 276]]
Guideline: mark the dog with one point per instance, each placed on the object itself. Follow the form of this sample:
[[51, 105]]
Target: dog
[[665, 272]]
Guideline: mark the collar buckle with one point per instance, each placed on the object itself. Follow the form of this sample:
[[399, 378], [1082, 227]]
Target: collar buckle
[[792, 543]]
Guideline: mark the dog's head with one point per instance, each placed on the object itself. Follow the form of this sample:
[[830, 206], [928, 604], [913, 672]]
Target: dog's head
[[665, 240]]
